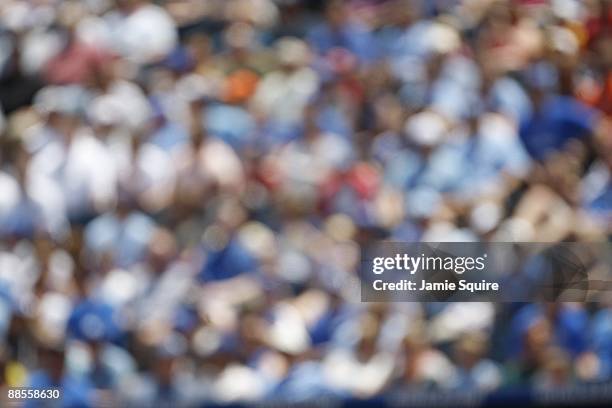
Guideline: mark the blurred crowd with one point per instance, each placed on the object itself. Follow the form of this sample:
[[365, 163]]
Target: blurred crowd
[[185, 188]]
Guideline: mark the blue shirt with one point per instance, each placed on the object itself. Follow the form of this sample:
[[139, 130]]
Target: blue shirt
[[559, 119]]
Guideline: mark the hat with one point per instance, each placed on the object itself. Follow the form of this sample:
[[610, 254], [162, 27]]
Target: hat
[[178, 60], [563, 40], [67, 100], [93, 321], [194, 87], [423, 202], [542, 76], [442, 38], [485, 216], [425, 129], [105, 110], [292, 51]]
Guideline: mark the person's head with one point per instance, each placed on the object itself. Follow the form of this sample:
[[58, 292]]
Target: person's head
[[62, 107], [200, 47], [51, 361], [69, 14], [426, 130], [499, 16], [65, 124], [536, 339], [292, 53], [162, 249], [239, 39], [336, 14], [21, 162], [252, 331], [541, 80], [403, 12], [557, 366], [128, 6], [164, 368], [469, 349]]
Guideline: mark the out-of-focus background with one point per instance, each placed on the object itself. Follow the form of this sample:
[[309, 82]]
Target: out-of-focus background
[[185, 187]]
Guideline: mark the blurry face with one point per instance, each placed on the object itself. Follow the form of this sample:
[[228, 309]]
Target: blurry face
[[604, 51], [44, 249], [467, 355], [128, 5], [336, 15], [367, 347], [163, 370], [538, 337], [64, 124], [604, 142], [199, 46], [53, 363], [500, 16], [21, 165], [403, 12], [162, 249]]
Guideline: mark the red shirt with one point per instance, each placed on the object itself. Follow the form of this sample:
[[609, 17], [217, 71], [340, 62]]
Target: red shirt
[[75, 64]]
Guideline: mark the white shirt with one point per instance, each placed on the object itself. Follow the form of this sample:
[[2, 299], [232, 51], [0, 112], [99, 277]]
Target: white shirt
[[84, 171], [144, 36], [285, 95]]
